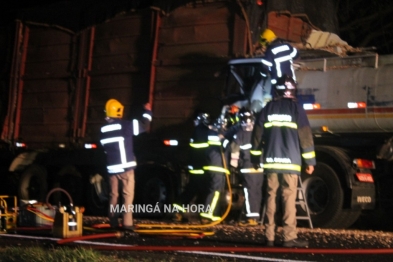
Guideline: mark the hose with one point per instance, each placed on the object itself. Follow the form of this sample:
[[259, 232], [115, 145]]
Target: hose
[[96, 236], [40, 214], [121, 247], [213, 223], [250, 249], [54, 190]]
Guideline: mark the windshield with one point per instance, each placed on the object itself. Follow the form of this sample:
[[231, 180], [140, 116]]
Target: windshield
[[243, 78]]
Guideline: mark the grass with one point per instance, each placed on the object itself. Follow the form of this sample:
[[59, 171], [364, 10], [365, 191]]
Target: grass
[[62, 254]]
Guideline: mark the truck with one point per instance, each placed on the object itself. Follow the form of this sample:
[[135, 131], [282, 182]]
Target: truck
[[59, 81], [347, 101]]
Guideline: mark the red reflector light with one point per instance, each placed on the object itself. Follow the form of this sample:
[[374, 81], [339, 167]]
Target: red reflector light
[[169, 142], [356, 105], [90, 146], [363, 177], [364, 163]]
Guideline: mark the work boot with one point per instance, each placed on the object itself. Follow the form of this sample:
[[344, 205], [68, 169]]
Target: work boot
[[113, 223], [269, 243], [295, 243], [250, 222], [128, 228]]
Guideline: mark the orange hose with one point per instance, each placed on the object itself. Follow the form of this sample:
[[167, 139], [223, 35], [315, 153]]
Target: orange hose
[[104, 235]]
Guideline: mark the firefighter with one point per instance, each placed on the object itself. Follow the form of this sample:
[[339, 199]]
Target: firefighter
[[117, 140], [241, 159], [215, 171], [278, 57], [206, 171], [196, 185], [283, 131]]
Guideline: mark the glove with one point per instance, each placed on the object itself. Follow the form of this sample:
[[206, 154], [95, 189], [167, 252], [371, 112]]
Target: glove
[[256, 165], [234, 162]]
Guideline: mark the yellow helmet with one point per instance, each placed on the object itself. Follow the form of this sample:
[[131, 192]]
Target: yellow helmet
[[267, 37], [114, 108]]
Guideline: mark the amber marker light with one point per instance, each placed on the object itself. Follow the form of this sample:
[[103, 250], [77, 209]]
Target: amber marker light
[[325, 128], [308, 106]]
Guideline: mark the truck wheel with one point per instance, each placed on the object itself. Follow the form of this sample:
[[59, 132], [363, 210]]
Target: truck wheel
[[325, 196], [153, 188], [69, 179], [348, 218], [33, 184]]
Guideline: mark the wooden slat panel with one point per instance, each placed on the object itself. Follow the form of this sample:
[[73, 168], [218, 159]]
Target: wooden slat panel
[[47, 53], [188, 89], [120, 45], [212, 49], [187, 72], [194, 33], [174, 117], [46, 100], [52, 69], [211, 13], [121, 62], [47, 85], [195, 43], [44, 115], [129, 24], [41, 36], [53, 133]]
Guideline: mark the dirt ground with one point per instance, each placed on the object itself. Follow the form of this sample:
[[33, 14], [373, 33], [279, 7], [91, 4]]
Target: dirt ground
[[223, 242]]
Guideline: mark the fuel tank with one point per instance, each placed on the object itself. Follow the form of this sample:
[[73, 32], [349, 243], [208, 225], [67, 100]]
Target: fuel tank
[[352, 99]]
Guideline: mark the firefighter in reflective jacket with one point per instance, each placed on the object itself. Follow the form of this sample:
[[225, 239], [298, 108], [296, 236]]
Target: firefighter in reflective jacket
[[283, 131], [278, 57], [215, 171], [241, 159], [117, 140], [196, 186], [206, 169]]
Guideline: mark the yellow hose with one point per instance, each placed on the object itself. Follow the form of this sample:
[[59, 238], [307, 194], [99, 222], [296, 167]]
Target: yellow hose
[[213, 223]]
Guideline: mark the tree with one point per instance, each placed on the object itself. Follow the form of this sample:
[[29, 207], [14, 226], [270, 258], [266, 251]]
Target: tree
[[366, 23]]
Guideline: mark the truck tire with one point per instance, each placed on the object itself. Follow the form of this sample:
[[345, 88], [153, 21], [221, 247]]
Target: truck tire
[[325, 196], [33, 184], [69, 179], [347, 218], [154, 187]]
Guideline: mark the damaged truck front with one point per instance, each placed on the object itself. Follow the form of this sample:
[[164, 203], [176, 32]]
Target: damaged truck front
[[349, 105]]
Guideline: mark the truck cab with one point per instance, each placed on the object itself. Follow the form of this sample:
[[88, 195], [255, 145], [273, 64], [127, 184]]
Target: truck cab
[[342, 185]]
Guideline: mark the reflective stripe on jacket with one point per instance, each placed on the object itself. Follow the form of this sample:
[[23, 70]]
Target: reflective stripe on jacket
[[284, 133], [205, 155], [242, 144], [116, 138], [279, 60]]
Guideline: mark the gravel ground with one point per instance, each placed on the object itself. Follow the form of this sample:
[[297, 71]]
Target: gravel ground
[[232, 235], [229, 238]]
